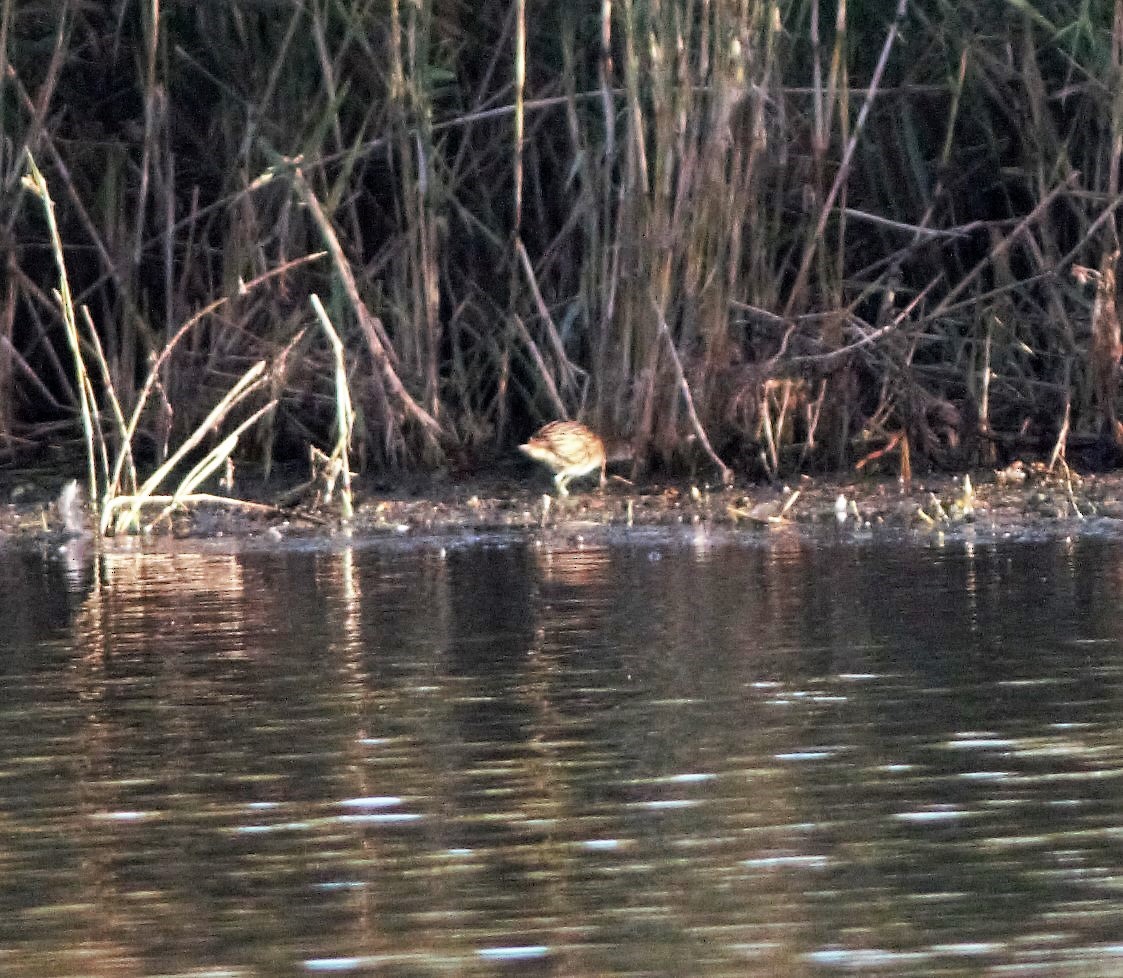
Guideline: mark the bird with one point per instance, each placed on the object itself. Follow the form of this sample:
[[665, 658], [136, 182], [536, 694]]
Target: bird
[[569, 449]]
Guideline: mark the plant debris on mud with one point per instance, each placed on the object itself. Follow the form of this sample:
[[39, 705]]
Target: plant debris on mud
[[1013, 502]]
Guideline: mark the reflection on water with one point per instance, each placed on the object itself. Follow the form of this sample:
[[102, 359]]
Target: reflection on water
[[644, 759]]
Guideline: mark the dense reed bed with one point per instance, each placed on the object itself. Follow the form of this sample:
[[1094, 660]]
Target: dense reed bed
[[752, 237]]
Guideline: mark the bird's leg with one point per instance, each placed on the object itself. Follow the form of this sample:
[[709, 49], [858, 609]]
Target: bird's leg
[[602, 475], [560, 481]]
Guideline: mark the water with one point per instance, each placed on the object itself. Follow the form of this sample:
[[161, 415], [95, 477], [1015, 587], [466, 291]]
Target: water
[[788, 758]]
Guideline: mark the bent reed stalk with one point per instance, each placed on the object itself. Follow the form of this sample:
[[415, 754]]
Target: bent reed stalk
[[35, 182]]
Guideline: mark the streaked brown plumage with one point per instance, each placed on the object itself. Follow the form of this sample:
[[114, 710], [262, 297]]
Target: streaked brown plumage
[[569, 449]]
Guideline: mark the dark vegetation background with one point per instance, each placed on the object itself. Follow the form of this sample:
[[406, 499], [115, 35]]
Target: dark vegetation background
[[799, 232]]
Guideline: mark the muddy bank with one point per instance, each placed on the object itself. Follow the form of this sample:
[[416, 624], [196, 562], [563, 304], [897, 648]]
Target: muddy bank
[[1021, 502]]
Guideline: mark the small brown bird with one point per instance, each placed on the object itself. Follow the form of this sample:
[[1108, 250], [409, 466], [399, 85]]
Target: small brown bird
[[569, 449]]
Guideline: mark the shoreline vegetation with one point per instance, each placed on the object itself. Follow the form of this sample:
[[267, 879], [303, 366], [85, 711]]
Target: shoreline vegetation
[[756, 241], [1016, 503]]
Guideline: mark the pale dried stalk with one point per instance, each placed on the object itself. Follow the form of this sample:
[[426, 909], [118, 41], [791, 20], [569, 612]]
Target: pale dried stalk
[[114, 402], [520, 121], [37, 184], [247, 384], [209, 464], [195, 497], [153, 376], [344, 412]]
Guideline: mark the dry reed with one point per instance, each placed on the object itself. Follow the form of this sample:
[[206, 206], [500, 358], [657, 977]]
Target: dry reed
[[753, 235]]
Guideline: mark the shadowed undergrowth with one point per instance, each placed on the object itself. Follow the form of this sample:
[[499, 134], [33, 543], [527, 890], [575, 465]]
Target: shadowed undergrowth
[[769, 236]]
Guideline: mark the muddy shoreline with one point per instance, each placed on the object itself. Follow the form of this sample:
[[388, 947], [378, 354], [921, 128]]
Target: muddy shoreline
[[985, 505]]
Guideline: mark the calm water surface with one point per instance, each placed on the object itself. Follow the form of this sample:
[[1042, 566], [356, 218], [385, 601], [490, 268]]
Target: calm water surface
[[654, 758]]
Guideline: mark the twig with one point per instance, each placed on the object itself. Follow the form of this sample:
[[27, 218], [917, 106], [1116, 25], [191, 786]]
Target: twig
[[843, 174], [726, 472], [1068, 489], [380, 349], [206, 497], [536, 355], [1062, 435], [1003, 246], [568, 369]]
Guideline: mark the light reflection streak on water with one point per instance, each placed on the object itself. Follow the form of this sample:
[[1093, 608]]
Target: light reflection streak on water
[[781, 760]]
